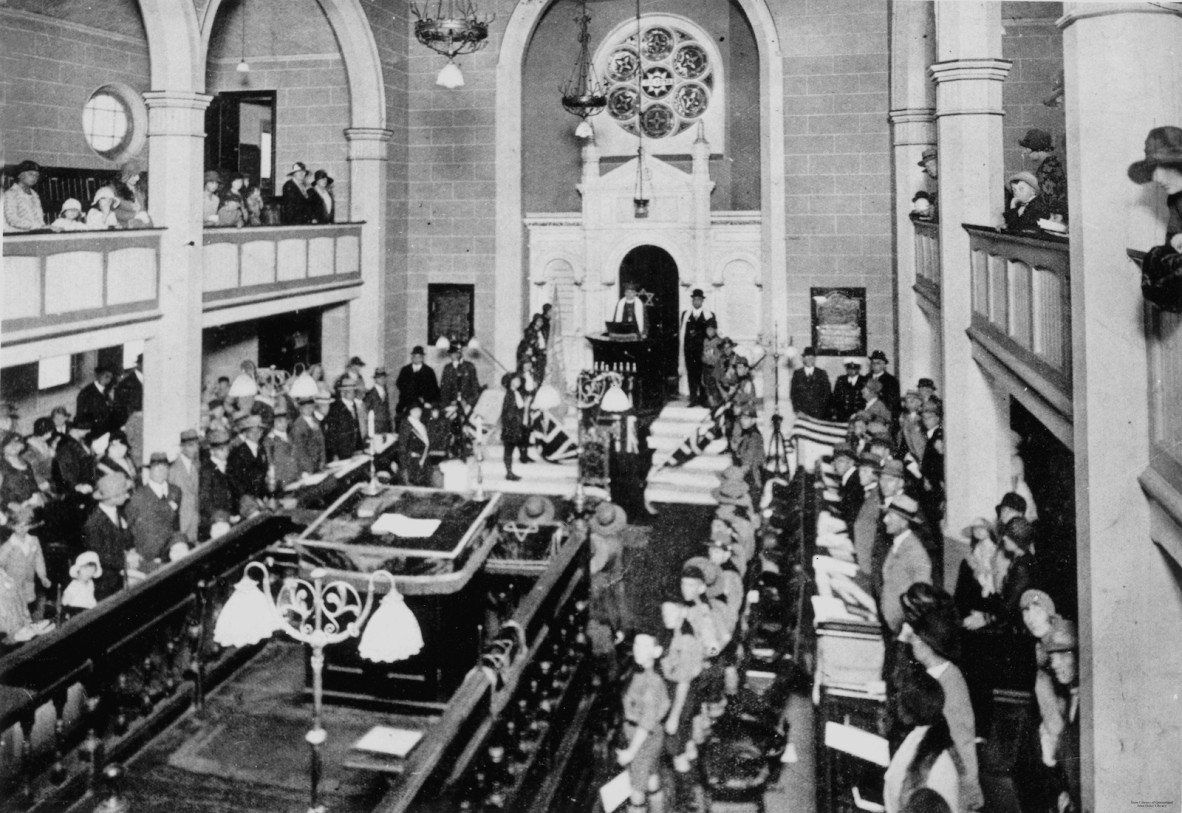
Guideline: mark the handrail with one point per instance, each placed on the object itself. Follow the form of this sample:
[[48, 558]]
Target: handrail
[[1021, 299], [233, 234], [19, 244]]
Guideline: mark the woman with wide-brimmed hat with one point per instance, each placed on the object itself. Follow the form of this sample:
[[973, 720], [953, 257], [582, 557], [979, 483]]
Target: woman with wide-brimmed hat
[[1161, 269], [321, 199]]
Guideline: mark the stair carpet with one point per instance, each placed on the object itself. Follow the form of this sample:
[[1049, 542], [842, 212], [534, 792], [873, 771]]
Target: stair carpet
[[692, 482]]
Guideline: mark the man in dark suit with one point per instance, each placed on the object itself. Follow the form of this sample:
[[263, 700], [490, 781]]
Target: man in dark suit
[[693, 337], [307, 438], [215, 493], [248, 464], [129, 392], [73, 464], [890, 385], [153, 511], [849, 488], [106, 533], [459, 380], [342, 428], [377, 402], [931, 470], [810, 390], [847, 392], [416, 383], [94, 402]]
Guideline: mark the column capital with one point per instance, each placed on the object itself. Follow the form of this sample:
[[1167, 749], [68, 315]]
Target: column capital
[[176, 113], [961, 70], [1090, 10], [176, 100], [368, 143], [912, 115]]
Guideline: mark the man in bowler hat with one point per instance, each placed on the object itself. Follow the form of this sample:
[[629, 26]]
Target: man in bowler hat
[[416, 383], [693, 336], [890, 385], [810, 389]]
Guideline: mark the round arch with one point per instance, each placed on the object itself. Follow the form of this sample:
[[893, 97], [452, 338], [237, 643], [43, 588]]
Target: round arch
[[509, 283], [176, 56], [363, 66]]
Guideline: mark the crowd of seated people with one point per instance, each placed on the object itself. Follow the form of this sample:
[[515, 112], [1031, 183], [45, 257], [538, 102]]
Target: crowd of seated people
[[121, 204], [996, 630]]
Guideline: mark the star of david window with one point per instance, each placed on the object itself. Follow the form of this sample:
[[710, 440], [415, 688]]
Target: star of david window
[[660, 87]]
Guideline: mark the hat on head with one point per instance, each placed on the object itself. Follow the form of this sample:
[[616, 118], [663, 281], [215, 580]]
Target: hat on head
[[878, 355], [932, 615], [71, 203], [43, 426], [878, 428], [347, 382], [1163, 145], [83, 422], [1013, 501], [934, 407], [809, 351], [212, 175], [1027, 178], [844, 451], [731, 491], [928, 154], [356, 362], [190, 436], [111, 485], [536, 509], [455, 347], [158, 457], [727, 341], [905, 507], [699, 567], [1062, 637], [852, 362], [1019, 531], [892, 468], [697, 294], [748, 412], [1038, 597], [870, 460], [320, 173], [118, 436], [298, 166], [85, 558], [921, 195], [741, 360], [925, 382], [130, 169], [248, 422], [217, 436], [417, 350], [912, 394], [104, 193], [979, 522], [629, 286], [1037, 140], [27, 166], [379, 372], [608, 519]]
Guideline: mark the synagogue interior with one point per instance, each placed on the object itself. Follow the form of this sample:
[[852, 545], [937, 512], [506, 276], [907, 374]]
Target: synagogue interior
[[590, 406]]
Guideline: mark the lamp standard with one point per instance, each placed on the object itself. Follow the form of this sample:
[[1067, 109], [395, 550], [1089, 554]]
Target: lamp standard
[[319, 613], [601, 390]]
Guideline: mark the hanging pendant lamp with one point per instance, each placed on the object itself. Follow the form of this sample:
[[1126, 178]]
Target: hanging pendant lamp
[[583, 95], [451, 28]]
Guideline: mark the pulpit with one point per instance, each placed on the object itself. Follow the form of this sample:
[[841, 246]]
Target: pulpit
[[638, 360]]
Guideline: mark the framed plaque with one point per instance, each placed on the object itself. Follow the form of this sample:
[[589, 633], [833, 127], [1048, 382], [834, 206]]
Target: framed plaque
[[839, 321], [449, 312]]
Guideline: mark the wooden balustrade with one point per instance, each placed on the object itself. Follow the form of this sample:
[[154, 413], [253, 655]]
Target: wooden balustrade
[[262, 261], [927, 261], [98, 687], [77, 280], [1022, 306]]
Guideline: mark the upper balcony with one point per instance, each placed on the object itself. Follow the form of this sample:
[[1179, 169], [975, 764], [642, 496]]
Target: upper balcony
[[927, 263], [56, 283], [270, 262], [1022, 308]]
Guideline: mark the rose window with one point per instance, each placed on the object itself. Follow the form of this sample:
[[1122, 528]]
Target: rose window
[[660, 86]]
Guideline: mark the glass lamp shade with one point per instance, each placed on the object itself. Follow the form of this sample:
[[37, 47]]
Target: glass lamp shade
[[244, 386], [243, 67], [584, 130], [615, 400], [393, 632], [450, 77], [248, 617], [547, 397], [303, 386], [473, 344], [442, 343]]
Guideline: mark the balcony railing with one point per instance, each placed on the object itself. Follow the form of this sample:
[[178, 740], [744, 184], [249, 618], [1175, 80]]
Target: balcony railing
[[77, 279], [927, 261], [1022, 304], [253, 263]]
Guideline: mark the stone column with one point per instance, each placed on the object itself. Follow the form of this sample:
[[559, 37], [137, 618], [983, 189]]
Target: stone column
[[969, 77], [1121, 81], [172, 355], [912, 116], [367, 202]]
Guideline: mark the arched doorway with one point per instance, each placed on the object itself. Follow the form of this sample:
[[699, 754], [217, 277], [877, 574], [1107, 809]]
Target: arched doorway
[[654, 272]]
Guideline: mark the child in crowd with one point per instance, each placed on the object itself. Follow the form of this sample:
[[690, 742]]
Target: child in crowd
[[711, 354], [514, 435], [21, 556], [79, 593], [646, 702], [683, 662], [70, 218]]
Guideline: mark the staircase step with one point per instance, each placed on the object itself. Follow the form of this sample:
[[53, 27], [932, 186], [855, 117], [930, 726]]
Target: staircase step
[[690, 480], [669, 444], [680, 496]]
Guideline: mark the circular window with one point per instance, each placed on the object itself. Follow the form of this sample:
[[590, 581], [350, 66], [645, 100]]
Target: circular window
[[660, 83], [114, 122]]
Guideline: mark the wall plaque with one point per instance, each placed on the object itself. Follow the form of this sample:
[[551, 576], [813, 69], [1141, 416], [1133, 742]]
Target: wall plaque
[[839, 321], [449, 312]]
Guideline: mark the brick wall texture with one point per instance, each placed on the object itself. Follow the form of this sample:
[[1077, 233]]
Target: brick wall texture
[[1034, 44]]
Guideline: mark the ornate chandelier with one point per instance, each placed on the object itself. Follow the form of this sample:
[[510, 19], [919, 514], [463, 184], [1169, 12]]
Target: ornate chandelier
[[451, 28], [582, 95]]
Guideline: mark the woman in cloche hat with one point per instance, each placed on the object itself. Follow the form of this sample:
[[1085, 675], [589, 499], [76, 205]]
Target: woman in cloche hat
[[1161, 274]]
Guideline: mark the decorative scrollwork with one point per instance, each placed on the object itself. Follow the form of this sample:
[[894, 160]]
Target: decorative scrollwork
[[332, 610]]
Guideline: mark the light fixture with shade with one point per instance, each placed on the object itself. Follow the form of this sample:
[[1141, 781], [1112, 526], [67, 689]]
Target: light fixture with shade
[[319, 613], [242, 66], [451, 28], [615, 400], [583, 95], [547, 397]]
